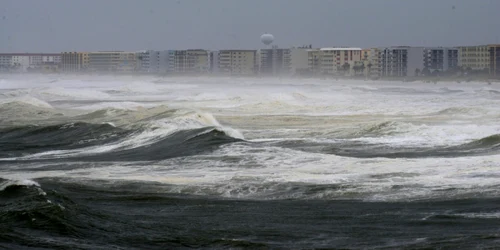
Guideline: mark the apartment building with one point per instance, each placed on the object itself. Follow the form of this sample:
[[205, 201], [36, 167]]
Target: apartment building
[[274, 61], [238, 62], [151, 61], [494, 60], [299, 61], [189, 61], [314, 61], [400, 61], [74, 61], [373, 65], [22, 62], [335, 61], [440, 59], [474, 57], [112, 61], [5, 62]]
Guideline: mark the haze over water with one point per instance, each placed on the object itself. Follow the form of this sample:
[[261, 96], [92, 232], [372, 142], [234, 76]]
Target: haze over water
[[147, 162]]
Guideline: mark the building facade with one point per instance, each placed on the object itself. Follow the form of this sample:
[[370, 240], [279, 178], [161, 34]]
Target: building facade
[[474, 57], [314, 61], [494, 60], [238, 62], [336, 61], [74, 61], [151, 61], [440, 59], [299, 61], [373, 65], [194, 61], [22, 62], [274, 61], [400, 61], [112, 61]]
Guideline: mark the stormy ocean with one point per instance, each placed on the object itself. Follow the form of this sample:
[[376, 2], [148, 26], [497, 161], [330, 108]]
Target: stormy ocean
[[122, 162]]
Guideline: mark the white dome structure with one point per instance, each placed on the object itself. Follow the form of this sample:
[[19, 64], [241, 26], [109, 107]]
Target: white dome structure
[[267, 39]]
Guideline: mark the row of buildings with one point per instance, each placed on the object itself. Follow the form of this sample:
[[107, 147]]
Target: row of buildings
[[398, 61]]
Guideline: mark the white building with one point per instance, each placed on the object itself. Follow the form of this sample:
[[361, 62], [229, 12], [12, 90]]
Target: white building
[[22, 62]]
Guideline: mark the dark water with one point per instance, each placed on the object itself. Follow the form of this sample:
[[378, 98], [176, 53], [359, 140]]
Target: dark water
[[62, 214], [73, 213]]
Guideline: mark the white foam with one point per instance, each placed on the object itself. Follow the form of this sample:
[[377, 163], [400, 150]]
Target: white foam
[[422, 114], [23, 182], [27, 100]]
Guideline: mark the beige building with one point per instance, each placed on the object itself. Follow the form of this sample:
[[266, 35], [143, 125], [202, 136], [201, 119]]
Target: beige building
[[373, 66], [474, 57], [335, 61], [238, 62], [314, 61], [299, 61], [111, 61], [74, 61], [189, 61]]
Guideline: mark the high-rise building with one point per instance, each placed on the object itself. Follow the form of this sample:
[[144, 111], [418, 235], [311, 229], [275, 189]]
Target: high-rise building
[[29, 61], [275, 61], [151, 61], [214, 62], [494, 60], [189, 61], [373, 65], [74, 61], [314, 61], [299, 61], [335, 61], [237, 62], [400, 61], [440, 59], [112, 61], [474, 57]]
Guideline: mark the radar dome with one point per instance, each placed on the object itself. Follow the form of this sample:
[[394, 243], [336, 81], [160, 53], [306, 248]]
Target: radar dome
[[267, 39]]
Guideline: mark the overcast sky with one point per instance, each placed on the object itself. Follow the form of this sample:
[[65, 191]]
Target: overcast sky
[[90, 25]]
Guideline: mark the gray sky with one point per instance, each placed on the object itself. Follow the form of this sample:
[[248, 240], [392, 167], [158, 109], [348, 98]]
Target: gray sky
[[90, 25]]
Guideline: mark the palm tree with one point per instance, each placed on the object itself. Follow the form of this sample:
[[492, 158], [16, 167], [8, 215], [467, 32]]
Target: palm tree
[[417, 72], [345, 67], [370, 65]]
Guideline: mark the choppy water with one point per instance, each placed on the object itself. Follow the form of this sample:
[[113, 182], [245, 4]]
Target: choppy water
[[100, 162]]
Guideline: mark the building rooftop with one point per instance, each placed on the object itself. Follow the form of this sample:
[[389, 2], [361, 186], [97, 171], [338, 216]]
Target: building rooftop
[[30, 54], [323, 49]]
